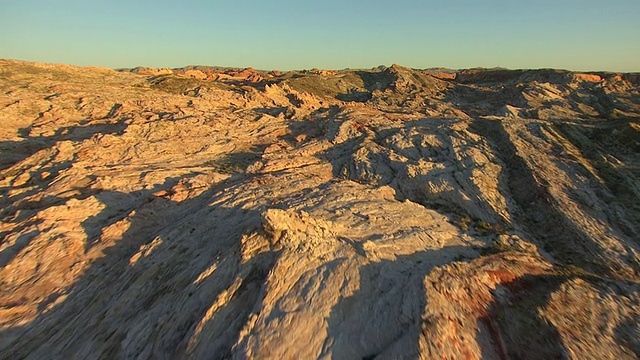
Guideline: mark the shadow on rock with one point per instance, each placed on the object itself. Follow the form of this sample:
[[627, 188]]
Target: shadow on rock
[[384, 316], [155, 287]]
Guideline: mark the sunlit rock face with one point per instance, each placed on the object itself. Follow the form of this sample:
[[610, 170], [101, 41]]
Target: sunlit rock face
[[389, 213]]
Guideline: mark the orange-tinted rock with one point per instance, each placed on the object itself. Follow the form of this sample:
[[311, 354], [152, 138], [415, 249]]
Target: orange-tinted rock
[[155, 217], [196, 74], [588, 77], [152, 71]]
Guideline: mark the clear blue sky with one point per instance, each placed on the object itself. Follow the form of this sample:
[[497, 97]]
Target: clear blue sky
[[287, 34]]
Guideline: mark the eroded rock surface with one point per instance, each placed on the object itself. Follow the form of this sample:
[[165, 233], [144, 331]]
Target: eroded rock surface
[[387, 213]]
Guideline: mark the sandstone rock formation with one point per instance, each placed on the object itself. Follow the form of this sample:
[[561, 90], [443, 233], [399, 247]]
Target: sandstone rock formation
[[386, 213], [211, 73]]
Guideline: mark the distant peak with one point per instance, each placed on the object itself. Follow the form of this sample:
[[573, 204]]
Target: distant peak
[[397, 67]]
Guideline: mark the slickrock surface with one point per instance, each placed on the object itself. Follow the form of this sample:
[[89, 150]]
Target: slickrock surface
[[209, 213]]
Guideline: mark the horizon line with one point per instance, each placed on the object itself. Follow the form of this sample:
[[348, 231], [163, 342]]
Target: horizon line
[[330, 69]]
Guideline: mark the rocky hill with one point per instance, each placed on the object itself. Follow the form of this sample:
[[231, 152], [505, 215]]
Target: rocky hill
[[357, 214]]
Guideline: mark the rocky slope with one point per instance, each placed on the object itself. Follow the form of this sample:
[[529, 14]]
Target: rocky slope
[[385, 213]]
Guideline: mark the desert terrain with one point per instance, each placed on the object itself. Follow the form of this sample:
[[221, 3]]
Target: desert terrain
[[386, 213]]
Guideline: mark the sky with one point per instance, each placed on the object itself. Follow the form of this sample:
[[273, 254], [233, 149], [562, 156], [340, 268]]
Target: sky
[[585, 35]]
